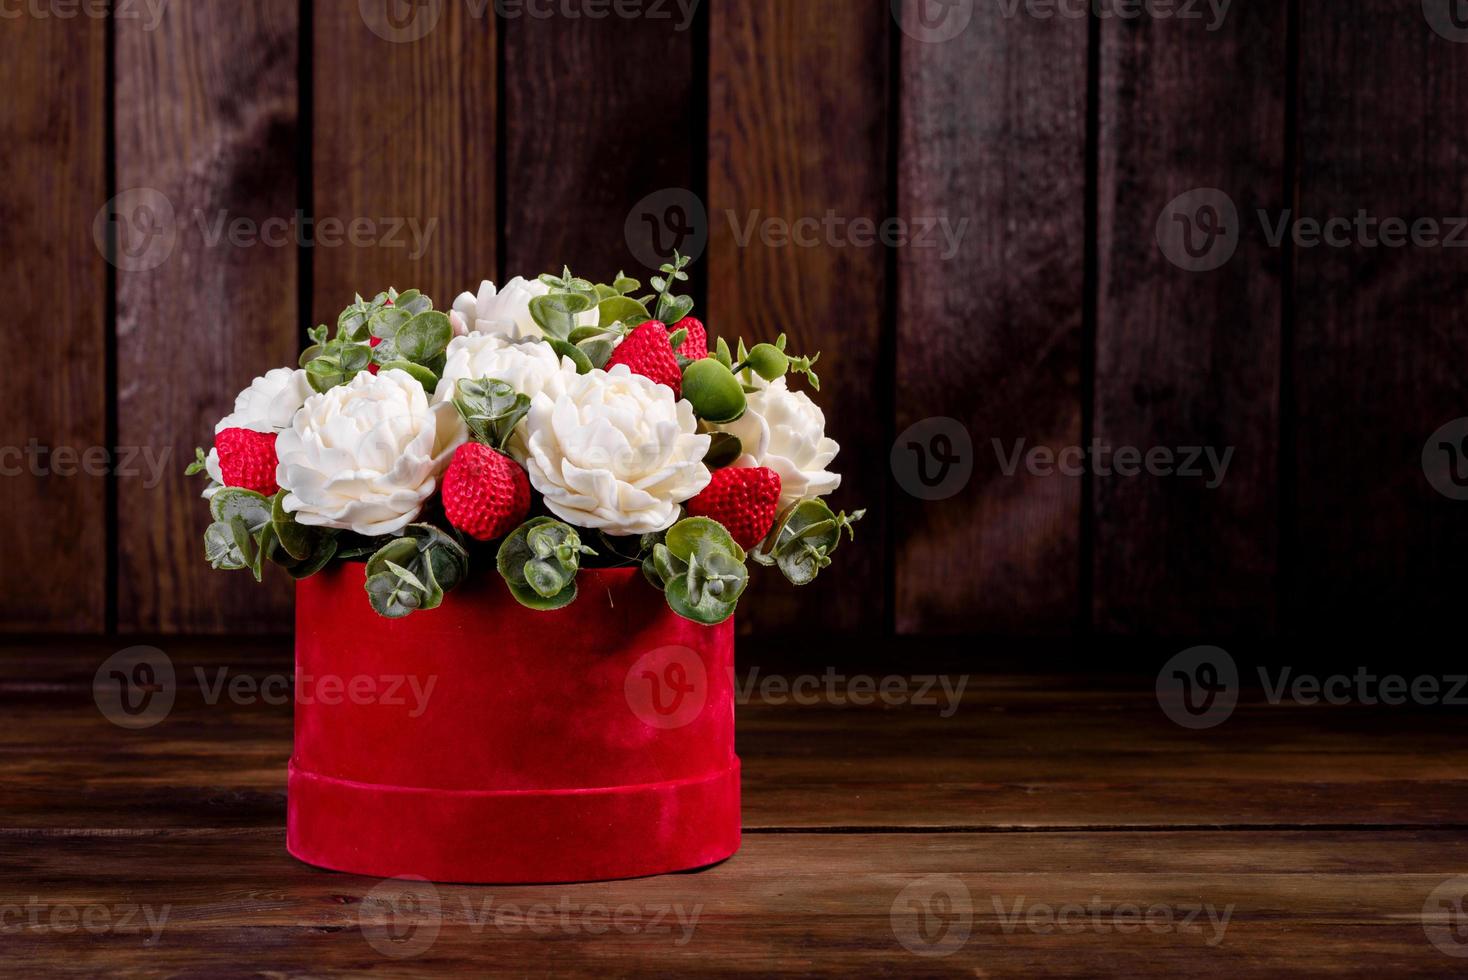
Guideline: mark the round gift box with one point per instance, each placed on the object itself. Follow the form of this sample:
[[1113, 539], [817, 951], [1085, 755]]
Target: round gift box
[[485, 742]]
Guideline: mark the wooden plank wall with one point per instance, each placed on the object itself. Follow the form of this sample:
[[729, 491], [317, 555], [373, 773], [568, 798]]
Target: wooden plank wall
[[53, 128], [1064, 157]]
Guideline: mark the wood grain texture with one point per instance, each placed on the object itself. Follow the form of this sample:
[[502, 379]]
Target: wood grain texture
[[1011, 751], [993, 134], [1281, 904], [1316, 835], [52, 151], [206, 108], [1381, 332], [404, 147], [599, 114], [798, 104], [1189, 358]]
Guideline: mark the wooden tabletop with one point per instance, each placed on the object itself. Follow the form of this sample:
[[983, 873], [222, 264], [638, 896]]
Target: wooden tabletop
[[1030, 823]]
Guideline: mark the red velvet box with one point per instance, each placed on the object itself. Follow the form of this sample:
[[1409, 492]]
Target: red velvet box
[[486, 742]]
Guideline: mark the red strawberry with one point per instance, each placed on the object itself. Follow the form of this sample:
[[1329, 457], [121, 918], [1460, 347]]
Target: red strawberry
[[247, 459], [743, 500], [647, 352], [696, 347], [485, 493], [373, 342]]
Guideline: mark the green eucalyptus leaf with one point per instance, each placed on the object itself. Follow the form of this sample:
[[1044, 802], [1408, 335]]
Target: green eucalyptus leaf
[[247, 505], [690, 535], [298, 540], [387, 322], [538, 556], [419, 373], [424, 337], [565, 348], [556, 313], [326, 550], [621, 309], [586, 333], [490, 408], [724, 450], [597, 351], [221, 549]]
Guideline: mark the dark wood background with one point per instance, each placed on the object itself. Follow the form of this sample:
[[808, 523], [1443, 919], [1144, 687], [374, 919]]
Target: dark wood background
[[529, 140]]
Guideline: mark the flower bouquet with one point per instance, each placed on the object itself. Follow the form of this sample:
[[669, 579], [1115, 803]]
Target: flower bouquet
[[585, 439]]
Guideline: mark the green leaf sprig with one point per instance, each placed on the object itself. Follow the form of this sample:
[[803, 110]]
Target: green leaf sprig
[[413, 572], [700, 569], [801, 542], [539, 561], [491, 409]]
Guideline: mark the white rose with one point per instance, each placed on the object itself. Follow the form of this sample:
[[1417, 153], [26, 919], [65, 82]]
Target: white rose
[[785, 431], [268, 405], [366, 455], [506, 311], [615, 451], [529, 368]]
